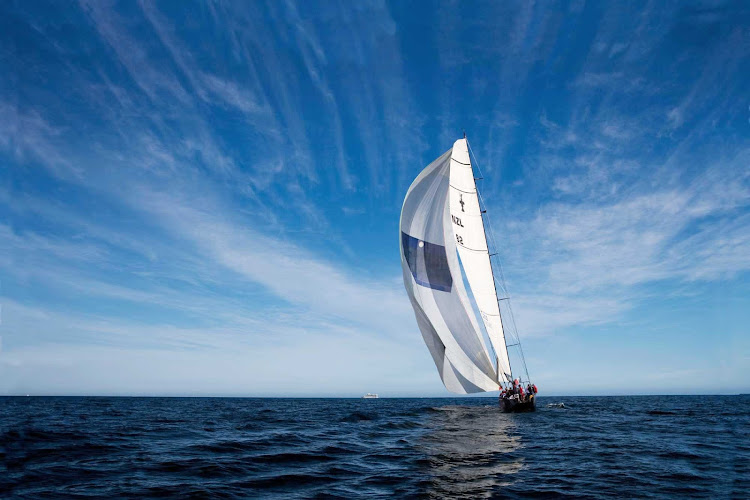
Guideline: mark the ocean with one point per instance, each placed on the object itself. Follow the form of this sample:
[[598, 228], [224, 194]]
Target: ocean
[[594, 447]]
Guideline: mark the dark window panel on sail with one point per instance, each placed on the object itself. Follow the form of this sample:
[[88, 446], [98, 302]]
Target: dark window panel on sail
[[427, 262]]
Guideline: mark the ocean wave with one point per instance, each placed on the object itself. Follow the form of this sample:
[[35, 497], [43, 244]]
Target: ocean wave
[[358, 416], [455, 448]]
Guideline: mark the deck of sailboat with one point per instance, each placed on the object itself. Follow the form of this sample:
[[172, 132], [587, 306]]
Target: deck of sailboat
[[510, 405]]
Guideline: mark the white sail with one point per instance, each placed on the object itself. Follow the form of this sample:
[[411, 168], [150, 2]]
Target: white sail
[[432, 277], [471, 240]]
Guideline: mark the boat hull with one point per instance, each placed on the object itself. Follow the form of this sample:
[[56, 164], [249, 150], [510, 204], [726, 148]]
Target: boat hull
[[512, 405]]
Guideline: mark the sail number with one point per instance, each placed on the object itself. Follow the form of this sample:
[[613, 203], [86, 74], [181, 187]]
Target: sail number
[[457, 221]]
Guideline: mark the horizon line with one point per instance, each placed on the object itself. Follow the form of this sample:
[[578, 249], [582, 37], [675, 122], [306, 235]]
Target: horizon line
[[457, 396]]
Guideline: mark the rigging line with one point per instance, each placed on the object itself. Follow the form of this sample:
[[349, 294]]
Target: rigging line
[[492, 233], [513, 328], [510, 310], [502, 274], [494, 286], [520, 347]]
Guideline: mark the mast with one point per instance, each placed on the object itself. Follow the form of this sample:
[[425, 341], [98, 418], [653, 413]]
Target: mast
[[485, 217], [492, 271]]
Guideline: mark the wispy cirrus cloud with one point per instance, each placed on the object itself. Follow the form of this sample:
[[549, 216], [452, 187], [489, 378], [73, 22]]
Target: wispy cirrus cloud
[[223, 190], [286, 269], [610, 230]]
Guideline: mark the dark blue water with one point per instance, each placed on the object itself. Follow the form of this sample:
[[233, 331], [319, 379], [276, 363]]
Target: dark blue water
[[673, 446]]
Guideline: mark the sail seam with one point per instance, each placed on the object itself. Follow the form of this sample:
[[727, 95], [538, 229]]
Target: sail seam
[[457, 189], [473, 249], [462, 163]]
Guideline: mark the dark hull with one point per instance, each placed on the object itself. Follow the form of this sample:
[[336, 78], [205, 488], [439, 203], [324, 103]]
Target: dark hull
[[515, 406]]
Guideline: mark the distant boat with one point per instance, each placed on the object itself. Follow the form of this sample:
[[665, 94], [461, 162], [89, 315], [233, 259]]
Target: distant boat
[[370, 395], [442, 221]]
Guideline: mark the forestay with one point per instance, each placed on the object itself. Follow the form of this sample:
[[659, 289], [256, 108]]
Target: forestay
[[432, 274]]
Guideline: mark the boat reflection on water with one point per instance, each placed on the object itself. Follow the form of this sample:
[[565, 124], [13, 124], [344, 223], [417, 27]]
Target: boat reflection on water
[[469, 451]]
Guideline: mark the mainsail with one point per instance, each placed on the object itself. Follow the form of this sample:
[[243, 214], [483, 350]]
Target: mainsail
[[471, 239], [440, 221]]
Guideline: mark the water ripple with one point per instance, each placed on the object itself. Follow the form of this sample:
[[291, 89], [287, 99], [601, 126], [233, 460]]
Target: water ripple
[[650, 447]]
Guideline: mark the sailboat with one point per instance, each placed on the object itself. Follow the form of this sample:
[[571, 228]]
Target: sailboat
[[443, 241]]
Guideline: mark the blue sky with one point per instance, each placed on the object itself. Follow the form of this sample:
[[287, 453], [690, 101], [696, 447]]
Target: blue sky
[[204, 198]]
